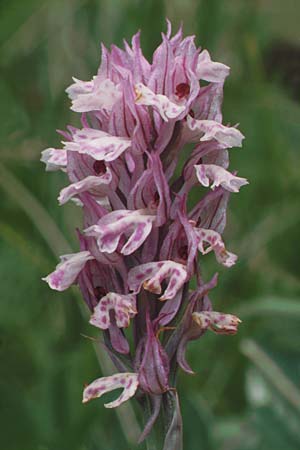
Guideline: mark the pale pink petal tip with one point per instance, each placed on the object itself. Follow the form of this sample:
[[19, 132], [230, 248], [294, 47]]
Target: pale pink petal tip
[[93, 95], [209, 129], [67, 270], [136, 225], [98, 144], [207, 173], [97, 185], [128, 381], [151, 275], [124, 307], [215, 243], [209, 70], [55, 159], [218, 322]]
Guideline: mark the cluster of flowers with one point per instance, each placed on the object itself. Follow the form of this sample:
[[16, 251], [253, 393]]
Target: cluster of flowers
[[140, 241]]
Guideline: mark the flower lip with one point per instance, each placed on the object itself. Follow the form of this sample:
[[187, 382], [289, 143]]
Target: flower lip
[[218, 322], [98, 144], [93, 95], [214, 242], [209, 70], [151, 275], [219, 176], [207, 130], [97, 185], [128, 381], [55, 159], [111, 227], [123, 306], [67, 270]]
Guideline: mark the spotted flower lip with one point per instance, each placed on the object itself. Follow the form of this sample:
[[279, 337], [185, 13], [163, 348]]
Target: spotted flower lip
[[207, 130], [112, 226], [80, 87], [93, 95], [97, 184], [151, 275], [218, 322], [55, 159], [124, 307], [219, 176], [215, 243], [67, 270], [98, 144], [128, 381], [209, 70]]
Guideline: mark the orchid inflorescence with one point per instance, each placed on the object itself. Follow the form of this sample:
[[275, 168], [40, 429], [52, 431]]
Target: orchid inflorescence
[[141, 240]]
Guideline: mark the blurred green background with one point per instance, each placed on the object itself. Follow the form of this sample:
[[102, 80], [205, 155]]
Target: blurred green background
[[246, 394]]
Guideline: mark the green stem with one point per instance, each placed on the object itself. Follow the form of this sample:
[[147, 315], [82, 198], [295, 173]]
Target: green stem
[[166, 433], [154, 440]]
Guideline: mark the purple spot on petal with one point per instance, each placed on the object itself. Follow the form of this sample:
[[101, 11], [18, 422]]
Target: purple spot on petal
[[172, 284], [57, 277], [140, 276]]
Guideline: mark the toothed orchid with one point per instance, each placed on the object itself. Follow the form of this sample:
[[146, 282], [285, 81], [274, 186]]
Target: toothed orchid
[[141, 240]]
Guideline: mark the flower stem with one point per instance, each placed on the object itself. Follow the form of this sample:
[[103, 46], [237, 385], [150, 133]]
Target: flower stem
[[166, 433], [154, 440]]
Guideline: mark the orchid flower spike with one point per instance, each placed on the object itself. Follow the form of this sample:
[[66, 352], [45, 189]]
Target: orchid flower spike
[[141, 240]]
